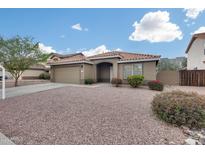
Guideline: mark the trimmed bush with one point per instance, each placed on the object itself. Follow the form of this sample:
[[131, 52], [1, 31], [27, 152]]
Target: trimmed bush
[[156, 85], [88, 81], [180, 108], [116, 82], [135, 80], [44, 76]]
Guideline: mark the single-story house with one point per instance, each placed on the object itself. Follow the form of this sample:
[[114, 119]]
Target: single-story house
[[196, 52], [75, 68]]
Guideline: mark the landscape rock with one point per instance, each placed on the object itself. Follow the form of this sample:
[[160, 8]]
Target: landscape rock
[[171, 143], [187, 131], [203, 131], [200, 135], [202, 140], [190, 141], [196, 137]]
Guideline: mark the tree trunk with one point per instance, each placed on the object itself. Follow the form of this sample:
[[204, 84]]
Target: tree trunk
[[16, 82]]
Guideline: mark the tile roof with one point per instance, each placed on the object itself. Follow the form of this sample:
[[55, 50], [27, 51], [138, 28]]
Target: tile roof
[[65, 56], [67, 59], [123, 56]]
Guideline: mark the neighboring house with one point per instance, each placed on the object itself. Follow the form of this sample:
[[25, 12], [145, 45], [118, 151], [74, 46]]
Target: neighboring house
[[75, 68], [31, 73], [34, 71], [172, 63], [196, 52]]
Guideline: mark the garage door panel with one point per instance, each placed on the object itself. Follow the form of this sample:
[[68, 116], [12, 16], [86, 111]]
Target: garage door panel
[[67, 74]]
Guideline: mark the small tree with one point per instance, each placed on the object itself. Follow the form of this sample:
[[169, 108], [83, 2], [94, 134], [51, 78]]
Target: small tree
[[184, 63], [18, 54]]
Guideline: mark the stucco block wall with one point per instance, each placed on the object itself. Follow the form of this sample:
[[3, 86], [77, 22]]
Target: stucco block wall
[[195, 56], [120, 72], [148, 69], [88, 71], [168, 77]]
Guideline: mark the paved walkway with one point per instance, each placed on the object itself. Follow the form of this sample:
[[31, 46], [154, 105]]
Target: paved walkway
[[23, 90]]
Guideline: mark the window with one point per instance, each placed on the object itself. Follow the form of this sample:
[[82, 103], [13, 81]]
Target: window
[[132, 69], [137, 69], [127, 71]]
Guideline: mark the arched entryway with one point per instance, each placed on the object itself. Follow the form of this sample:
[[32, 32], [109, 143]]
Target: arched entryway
[[104, 72]]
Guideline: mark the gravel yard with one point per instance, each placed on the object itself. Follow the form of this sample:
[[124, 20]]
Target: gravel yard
[[80, 115]]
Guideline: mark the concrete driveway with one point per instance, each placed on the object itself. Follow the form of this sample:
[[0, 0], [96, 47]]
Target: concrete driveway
[[29, 89]]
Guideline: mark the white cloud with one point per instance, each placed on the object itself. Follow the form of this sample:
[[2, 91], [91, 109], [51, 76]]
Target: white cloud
[[98, 50], [78, 27], [193, 13], [156, 27], [46, 49], [118, 49], [200, 30]]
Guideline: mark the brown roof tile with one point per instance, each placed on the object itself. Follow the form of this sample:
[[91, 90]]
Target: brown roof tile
[[68, 58], [124, 55]]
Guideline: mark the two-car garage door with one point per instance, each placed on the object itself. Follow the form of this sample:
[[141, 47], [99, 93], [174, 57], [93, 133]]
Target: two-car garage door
[[66, 74]]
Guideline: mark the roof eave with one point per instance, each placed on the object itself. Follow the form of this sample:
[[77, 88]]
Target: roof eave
[[67, 63], [107, 57], [138, 60], [194, 37]]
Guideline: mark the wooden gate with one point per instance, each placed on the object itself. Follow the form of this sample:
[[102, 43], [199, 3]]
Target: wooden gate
[[192, 77]]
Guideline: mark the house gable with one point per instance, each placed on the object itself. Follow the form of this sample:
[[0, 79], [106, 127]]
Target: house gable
[[196, 55]]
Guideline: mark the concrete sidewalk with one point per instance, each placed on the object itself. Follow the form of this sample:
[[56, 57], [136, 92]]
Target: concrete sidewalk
[[23, 90], [4, 140]]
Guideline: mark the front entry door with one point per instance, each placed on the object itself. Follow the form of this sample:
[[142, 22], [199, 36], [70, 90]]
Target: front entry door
[[103, 72]]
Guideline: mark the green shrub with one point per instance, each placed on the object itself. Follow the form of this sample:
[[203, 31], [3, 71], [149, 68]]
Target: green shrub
[[44, 76], [88, 81], [135, 80], [156, 85], [180, 108], [116, 82]]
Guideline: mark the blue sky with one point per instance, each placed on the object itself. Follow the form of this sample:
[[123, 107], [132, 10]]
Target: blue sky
[[156, 31]]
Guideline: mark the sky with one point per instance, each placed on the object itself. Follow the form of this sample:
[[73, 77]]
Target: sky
[[164, 32]]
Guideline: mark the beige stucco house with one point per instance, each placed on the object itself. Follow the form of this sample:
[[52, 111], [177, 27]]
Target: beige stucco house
[[75, 68], [196, 52]]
